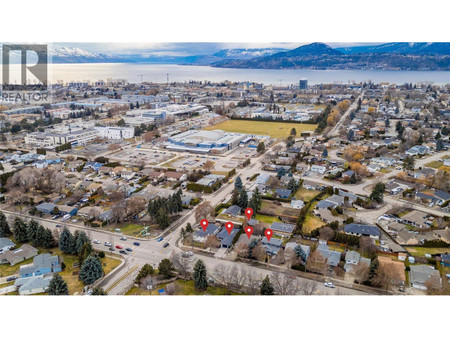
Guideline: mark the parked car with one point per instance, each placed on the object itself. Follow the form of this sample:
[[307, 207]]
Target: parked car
[[66, 217], [96, 241], [166, 245], [56, 216], [119, 247], [329, 285], [136, 243], [123, 238], [10, 279], [129, 249], [58, 225], [123, 252], [108, 244], [160, 239], [111, 249]]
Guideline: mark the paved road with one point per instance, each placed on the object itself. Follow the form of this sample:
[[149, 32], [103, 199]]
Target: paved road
[[335, 131]]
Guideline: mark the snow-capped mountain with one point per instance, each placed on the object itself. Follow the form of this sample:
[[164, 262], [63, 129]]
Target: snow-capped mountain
[[78, 55], [246, 54]]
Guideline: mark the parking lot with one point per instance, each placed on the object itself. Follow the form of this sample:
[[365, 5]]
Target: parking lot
[[138, 155]]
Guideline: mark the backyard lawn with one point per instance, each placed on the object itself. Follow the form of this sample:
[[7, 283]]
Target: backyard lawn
[[306, 195], [311, 222], [434, 164], [129, 229], [421, 251], [272, 129], [266, 219]]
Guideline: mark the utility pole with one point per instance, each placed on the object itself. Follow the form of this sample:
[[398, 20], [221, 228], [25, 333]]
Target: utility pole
[[141, 76]]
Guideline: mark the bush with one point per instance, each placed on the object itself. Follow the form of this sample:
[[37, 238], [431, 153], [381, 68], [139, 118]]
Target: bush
[[101, 254]]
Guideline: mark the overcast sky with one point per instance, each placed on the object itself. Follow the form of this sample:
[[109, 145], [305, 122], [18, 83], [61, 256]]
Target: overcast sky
[[183, 48]]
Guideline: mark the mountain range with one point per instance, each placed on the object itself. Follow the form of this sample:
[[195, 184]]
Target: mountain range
[[388, 56]]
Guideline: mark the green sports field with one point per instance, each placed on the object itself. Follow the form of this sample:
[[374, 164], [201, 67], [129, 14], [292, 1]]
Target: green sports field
[[272, 129]]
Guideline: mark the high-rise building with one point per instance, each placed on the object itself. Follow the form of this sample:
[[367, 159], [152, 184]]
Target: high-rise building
[[303, 84]]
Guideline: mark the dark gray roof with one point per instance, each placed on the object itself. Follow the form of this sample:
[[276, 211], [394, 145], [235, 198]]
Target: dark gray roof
[[4, 242], [284, 227], [233, 210], [362, 229], [209, 231], [225, 238], [332, 257]]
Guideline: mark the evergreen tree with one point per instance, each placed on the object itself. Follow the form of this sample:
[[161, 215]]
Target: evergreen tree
[[438, 136], [82, 239], [266, 287], [84, 253], [409, 163], [238, 183], [300, 253], [40, 236], [243, 199], [200, 281], [293, 132], [440, 145], [19, 229], [292, 185], [189, 229], [377, 194], [166, 268], [49, 241], [325, 153], [65, 240], [4, 226], [281, 172], [261, 147], [32, 232], [91, 270], [256, 201], [57, 286], [235, 197], [351, 135], [98, 291], [162, 218]]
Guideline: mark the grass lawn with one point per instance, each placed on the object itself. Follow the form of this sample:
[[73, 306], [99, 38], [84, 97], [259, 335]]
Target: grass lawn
[[421, 251], [129, 229], [266, 219], [311, 222], [306, 195], [70, 274], [183, 288], [434, 164], [273, 129]]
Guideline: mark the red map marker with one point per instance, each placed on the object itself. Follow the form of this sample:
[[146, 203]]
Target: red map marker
[[268, 234], [204, 223], [249, 213], [229, 226], [248, 231]]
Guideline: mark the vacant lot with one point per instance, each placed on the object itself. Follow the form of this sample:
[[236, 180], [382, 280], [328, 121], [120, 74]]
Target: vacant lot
[[306, 195], [272, 129], [421, 251]]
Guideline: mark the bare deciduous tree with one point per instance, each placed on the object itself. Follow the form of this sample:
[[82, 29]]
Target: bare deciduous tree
[[308, 287], [241, 249], [326, 233], [361, 272], [203, 211], [259, 252], [284, 284], [183, 264], [211, 242], [222, 273]]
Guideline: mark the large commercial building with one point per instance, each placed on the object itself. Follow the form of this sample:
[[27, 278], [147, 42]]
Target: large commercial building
[[50, 139], [303, 84], [115, 133], [203, 141]]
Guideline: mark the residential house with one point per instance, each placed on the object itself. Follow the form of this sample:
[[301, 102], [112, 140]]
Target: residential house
[[283, 193], [33, 285], [420, 274], [362, 230], [42, 264], [201, 236], [272, 246], [226, 240], [331, 257], [353, 258], [282, 229], [297, 204], [318, 169], [6, 244], [46, 208], [13, 257], [175, 176]]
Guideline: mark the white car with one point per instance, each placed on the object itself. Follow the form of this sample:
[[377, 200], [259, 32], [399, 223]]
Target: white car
[[329, 285], [96, 241], [123, 238], [108, 244]]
